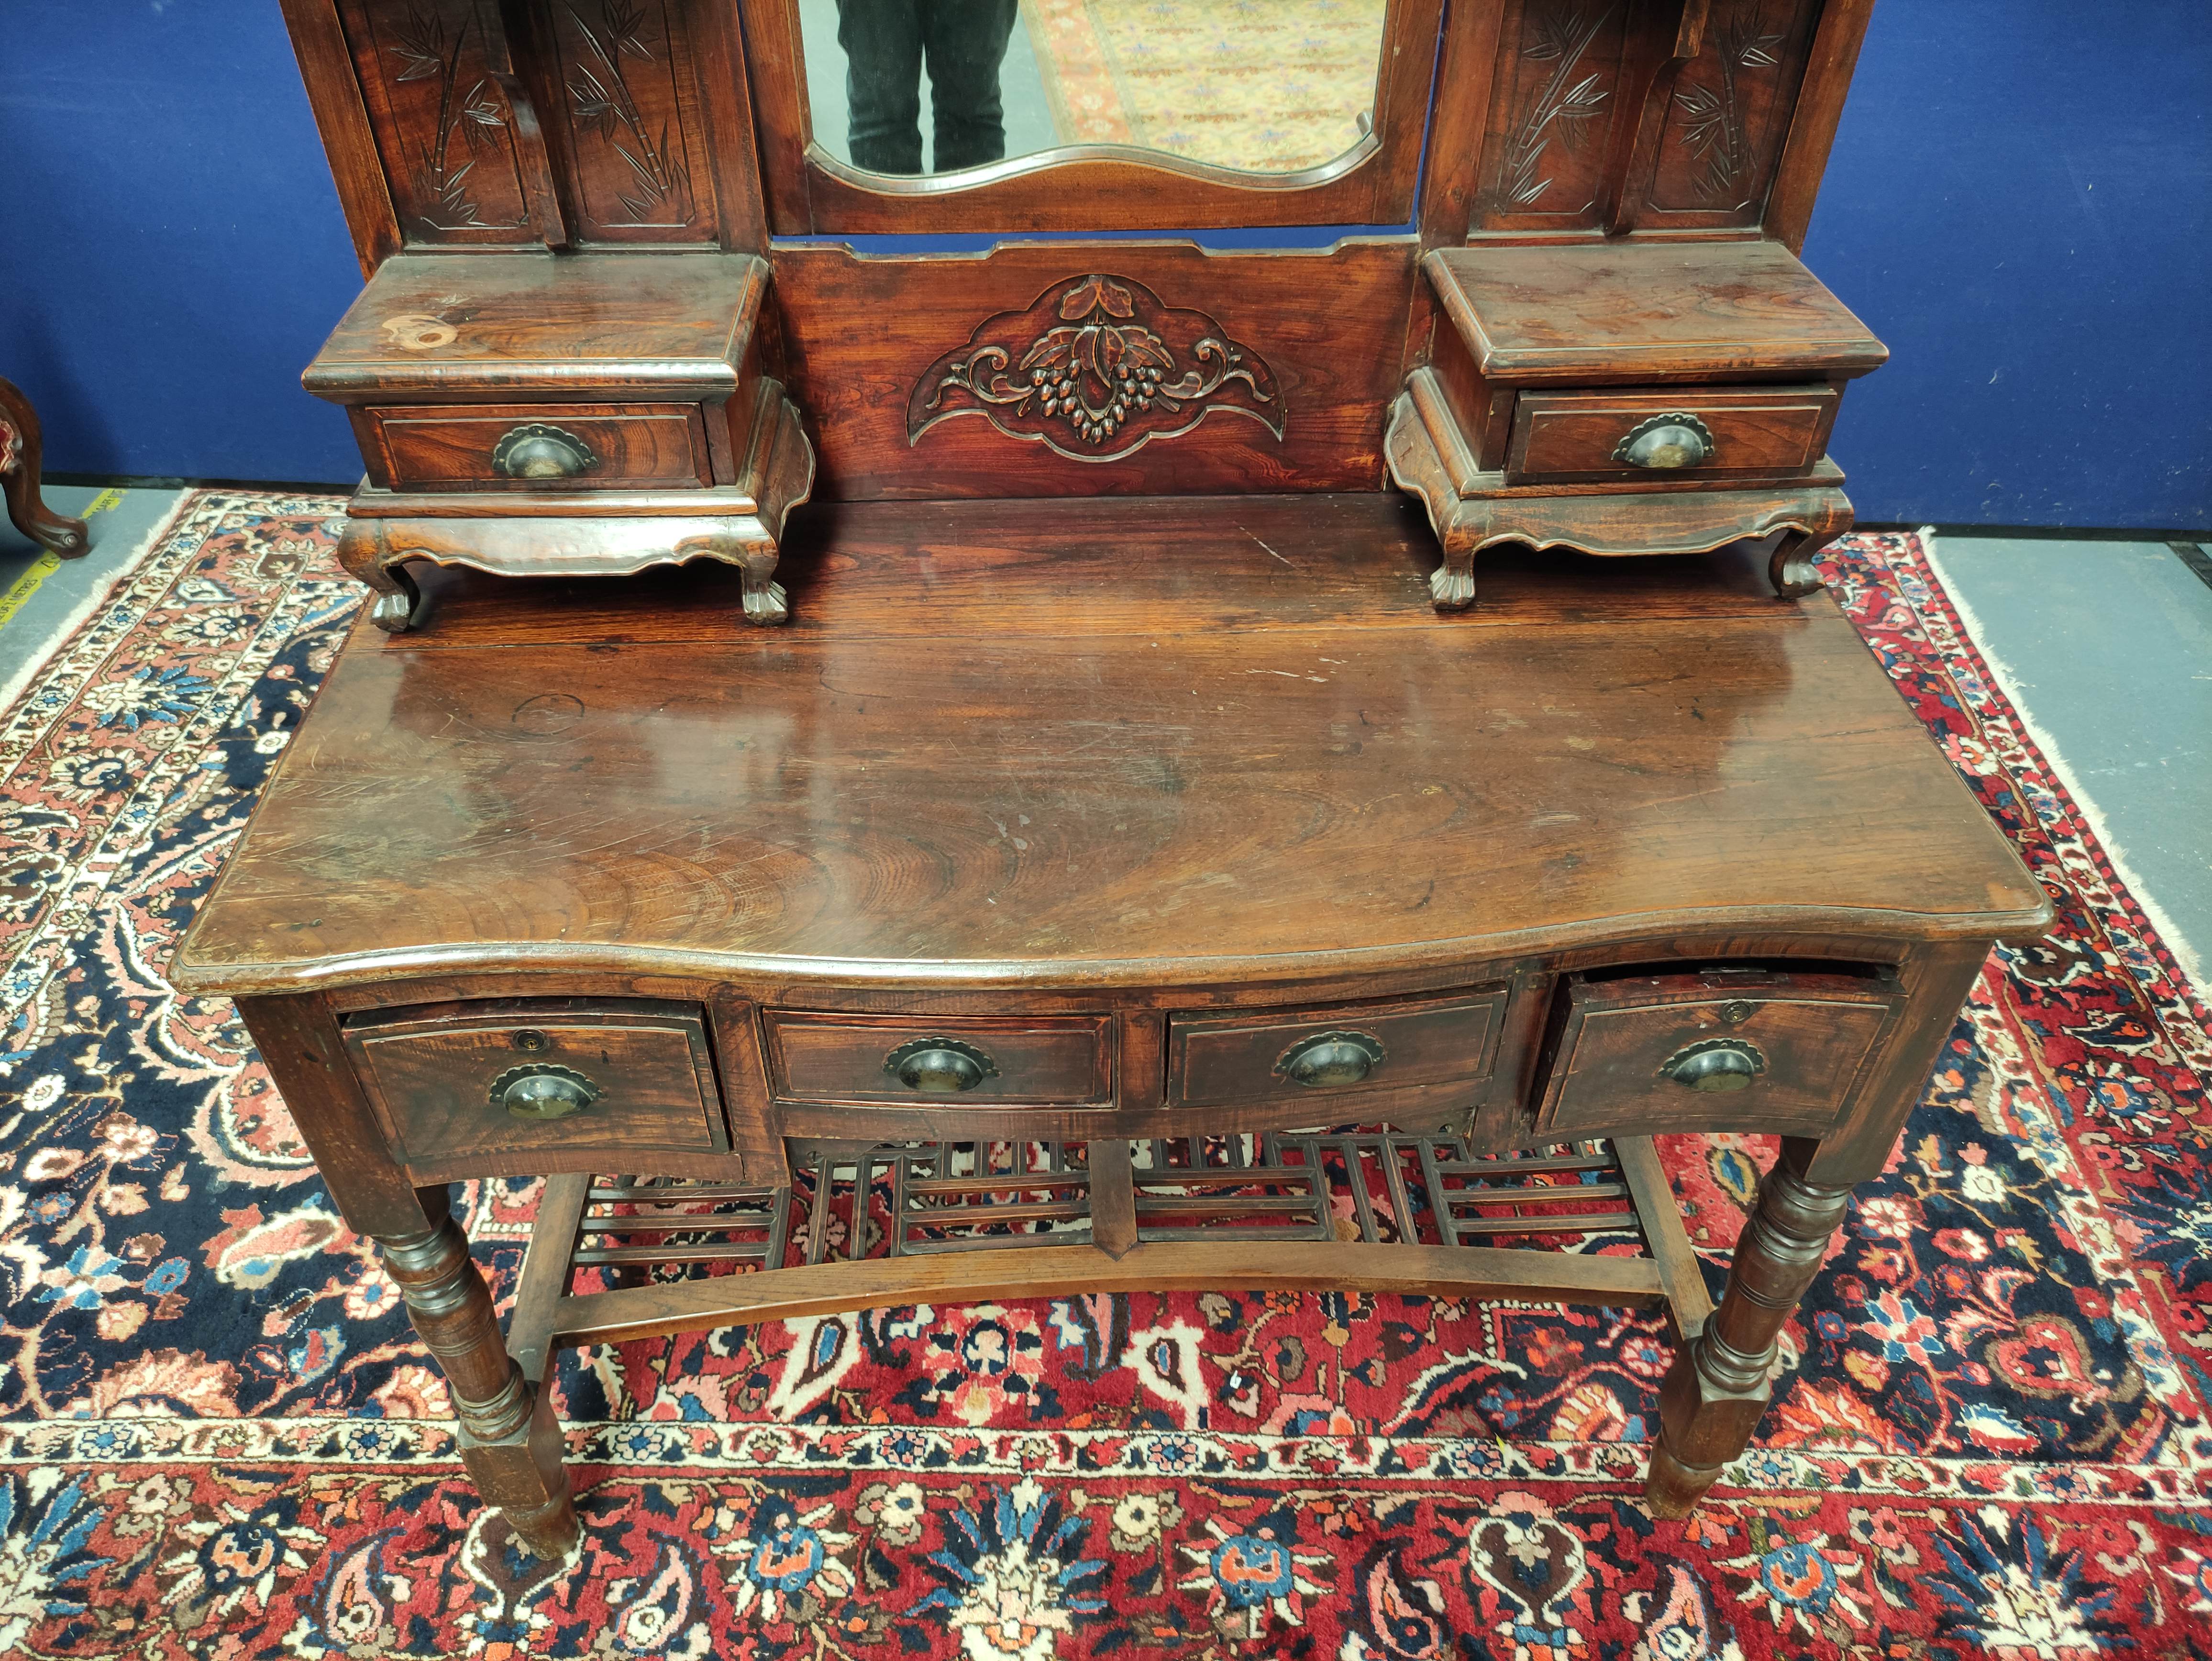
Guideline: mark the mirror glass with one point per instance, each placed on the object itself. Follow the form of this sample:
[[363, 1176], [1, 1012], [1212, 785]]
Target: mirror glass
[[935, 86]]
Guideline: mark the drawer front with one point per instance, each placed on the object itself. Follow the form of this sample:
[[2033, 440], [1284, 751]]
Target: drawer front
[[1756, 1051], [1339, 1049], [966, 1060], [555, 1075], [526, 446], [1732, 436]]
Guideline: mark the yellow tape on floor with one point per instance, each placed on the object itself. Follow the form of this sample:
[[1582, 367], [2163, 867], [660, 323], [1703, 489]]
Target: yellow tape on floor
[[20, 591]]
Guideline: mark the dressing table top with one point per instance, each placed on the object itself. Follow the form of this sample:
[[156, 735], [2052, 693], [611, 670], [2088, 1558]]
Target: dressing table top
[[1099, 744]]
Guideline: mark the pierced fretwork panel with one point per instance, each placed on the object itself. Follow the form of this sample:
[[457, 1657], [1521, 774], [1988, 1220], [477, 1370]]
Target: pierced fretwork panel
[[855, 1202]]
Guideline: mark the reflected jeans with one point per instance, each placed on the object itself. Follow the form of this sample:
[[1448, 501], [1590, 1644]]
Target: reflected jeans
[[884, 41]]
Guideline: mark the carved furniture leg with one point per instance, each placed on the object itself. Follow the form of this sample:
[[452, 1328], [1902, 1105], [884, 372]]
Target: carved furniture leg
[[510, 1440], [1451, 584], [1790, 569], [1713, 1394], [365, 551], [21, 443], [763, 595]]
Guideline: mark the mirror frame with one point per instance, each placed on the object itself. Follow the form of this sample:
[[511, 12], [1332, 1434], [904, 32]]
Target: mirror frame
[[1086, 187]]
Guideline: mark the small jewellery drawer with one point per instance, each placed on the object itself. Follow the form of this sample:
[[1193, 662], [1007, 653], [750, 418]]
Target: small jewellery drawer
[[1333, 1050], [1756, 1050], [1677, 432], [540, 1076], [559, 446], [974, 1060]]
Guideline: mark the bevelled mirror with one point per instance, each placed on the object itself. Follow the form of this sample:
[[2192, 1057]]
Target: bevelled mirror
[[962, 115]]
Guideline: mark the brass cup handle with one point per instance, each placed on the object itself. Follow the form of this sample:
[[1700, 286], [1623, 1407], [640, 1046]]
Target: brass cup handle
[[1677, 439], [1717, 1065], [940, 1066], [1332, 1061], [536, 451], [541, 1090]]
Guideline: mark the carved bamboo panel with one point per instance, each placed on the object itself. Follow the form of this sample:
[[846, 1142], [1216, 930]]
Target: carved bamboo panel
[[454, 156], [627, 121], [1728, 114], [1556, 97]]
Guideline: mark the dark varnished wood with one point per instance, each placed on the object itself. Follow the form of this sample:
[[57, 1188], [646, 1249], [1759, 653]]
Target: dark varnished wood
[[843, 1058], [455, 328], [1212, 1060], [1566, 437], [431, 1072], [1472, 510], [1327, 326], [1614, 314], [1811, 1034], [1095, 754], [1303, 724], [449, 447]]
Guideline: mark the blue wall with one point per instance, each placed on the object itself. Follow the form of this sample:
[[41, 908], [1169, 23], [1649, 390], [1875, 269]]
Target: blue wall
[[2020, 203]]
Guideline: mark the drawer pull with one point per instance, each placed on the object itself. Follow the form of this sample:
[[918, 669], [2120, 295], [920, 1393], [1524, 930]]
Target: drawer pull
[[1676, 439], [940, 1066], [536, 451], [1718, 1064], [542, 1090], [1332, 1061]]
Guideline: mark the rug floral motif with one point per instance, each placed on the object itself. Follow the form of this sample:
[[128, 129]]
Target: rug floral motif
[[218, 1439]]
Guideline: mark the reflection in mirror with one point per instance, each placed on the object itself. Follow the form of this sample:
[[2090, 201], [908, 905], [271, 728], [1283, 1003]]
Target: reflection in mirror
[[1262, 86]]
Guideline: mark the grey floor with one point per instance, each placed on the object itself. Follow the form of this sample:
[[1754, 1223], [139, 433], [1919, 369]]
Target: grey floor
[[39, 593], [2105, 646]]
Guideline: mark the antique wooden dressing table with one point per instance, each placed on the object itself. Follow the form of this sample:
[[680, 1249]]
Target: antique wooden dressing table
[[1127, 790]]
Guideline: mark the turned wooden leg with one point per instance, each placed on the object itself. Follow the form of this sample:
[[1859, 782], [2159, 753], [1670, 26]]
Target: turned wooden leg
[[21, 443], [510, 1440], [1790, 568], [1713, 1394]]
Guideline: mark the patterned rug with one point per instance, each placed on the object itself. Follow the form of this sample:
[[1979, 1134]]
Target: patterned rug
[[218, 1439], [1270, 86]]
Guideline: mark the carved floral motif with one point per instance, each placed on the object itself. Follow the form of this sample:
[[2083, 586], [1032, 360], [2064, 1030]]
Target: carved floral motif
[[1095, 369]]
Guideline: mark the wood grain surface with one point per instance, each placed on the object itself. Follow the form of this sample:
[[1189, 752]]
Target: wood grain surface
[[1613, 313], [460, 325], [1060, 743], [861, 333]]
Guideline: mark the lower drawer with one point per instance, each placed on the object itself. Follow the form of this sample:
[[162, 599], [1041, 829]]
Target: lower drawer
[[551, 1075], [972, 1060], [597, 446], [1751, 1050], [1729, 436]]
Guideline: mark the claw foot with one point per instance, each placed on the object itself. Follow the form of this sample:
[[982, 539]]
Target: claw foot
[[1451, 587], [765, 602]]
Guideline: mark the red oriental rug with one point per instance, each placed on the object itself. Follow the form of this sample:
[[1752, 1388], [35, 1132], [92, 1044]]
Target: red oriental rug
[[218, 1439]]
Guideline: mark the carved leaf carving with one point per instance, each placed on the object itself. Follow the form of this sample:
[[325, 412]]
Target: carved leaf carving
[[1096, 369]]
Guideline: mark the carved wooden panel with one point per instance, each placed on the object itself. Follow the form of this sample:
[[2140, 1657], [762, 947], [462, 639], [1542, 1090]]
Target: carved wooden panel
[[1316, 334], [1729, 113], [621, 78], [1096, 369], [1556, 97], [453, 156]]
